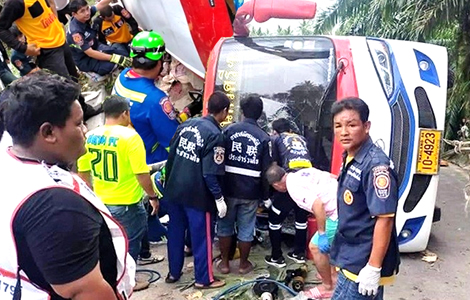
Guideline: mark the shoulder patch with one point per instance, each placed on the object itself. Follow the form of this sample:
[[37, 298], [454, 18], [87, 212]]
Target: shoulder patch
[[125, 13], [18, 64], [77, 39], [167, 108], [219, 155], [381, 181]]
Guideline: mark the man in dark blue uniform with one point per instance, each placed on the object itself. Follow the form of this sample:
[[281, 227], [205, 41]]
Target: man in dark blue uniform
[[365, 248], [89, 54], [195, 160], [291, 153], [247, 157]]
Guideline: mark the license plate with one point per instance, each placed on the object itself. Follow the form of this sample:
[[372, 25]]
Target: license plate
[[428, 152]]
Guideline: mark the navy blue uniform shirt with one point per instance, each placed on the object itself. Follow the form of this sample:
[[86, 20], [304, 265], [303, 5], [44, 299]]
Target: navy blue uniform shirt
[[367, 188], [247, 157], [290, 151], [196, 150], [81, 37]]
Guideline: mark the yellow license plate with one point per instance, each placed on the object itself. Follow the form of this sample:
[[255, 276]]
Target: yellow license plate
[[428, 152]]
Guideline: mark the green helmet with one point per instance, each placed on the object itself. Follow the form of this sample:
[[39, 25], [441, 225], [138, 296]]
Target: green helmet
[[148, 44]]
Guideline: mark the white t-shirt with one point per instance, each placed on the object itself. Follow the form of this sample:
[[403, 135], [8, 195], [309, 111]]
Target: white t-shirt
[[61, 4], [307, 185]]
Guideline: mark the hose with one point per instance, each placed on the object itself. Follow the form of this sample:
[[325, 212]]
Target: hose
[[154, 275], [235, 287]]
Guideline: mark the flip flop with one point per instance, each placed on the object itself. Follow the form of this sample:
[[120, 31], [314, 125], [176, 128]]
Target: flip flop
[[315, 293], [247, 270], [217, 283], [150, 260], [220, 269]]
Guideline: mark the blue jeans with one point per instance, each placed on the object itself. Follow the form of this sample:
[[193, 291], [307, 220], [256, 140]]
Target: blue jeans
[[347, 289], [134, 220], [243, 212]]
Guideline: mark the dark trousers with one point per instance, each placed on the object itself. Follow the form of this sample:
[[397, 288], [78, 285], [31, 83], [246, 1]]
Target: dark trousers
[[282, 205], [201, 228], [101, 67], [58, 60]]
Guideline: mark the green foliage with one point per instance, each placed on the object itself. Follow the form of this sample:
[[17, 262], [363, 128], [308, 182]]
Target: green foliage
[[442, 22]]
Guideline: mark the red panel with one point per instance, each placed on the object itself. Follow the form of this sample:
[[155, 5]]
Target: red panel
[[211, 72], [346, 87], [207, 24]]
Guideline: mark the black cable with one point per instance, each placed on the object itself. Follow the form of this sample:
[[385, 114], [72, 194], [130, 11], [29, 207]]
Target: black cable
[[152, 274]]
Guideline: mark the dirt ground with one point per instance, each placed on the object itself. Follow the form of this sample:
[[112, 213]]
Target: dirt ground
[[446, 279]]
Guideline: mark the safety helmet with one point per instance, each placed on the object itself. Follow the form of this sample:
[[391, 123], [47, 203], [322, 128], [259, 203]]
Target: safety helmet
[[148, 44]]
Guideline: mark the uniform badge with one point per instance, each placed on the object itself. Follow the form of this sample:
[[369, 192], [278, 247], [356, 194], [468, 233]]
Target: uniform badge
[[18, 64], [381, 181], [219, 155], [125, 13], [348, 197], [77, 39], [167, 108]]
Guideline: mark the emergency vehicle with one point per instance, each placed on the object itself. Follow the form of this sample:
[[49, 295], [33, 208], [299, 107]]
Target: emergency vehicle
[[299, 77]]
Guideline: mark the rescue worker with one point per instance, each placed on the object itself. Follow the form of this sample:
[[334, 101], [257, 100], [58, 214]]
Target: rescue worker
[[314, 191], [365, 248], [115, 167], [291, 153], [116, 25], [247, 158], [45, 36], [152, 113], [89, 54], [44, 33], [51, 248], [6, 76], [196, 159], [24, 64]]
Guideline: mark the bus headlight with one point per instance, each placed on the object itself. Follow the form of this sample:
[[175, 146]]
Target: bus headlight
[[381, 58]]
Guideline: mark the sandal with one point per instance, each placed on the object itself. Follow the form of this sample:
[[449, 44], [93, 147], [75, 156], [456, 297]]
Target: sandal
[[171, 279], [217, 283], [151, 260]]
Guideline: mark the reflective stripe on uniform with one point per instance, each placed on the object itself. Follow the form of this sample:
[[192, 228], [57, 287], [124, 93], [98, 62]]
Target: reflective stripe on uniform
[[275, 226], [299, 164], [300, 225], [127, 93], [242, 171]]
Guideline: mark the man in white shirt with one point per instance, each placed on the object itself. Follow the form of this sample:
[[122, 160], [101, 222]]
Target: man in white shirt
[[314, 191]]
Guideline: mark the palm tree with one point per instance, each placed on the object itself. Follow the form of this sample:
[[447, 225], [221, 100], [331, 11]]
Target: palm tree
[[305, 28], [444, 22]]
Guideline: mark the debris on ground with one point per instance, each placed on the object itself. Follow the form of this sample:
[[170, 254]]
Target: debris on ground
[[428, 256]]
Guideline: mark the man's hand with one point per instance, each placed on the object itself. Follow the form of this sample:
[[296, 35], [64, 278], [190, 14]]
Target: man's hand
[[368, 280], [121, 60], [267, 203], [323, 243], [32, 50], [221, 207], [155, 206]]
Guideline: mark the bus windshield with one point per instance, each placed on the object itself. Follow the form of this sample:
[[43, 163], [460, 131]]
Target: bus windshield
[[290, 74]]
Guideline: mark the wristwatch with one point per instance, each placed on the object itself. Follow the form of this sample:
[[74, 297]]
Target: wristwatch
[[153, 197]]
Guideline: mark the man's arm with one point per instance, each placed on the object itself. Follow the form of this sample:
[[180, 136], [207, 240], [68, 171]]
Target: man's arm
[[97, 54], [12, 11], [121, 11], [102, 4], [53, 7], [381, 239], [90, 286]]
